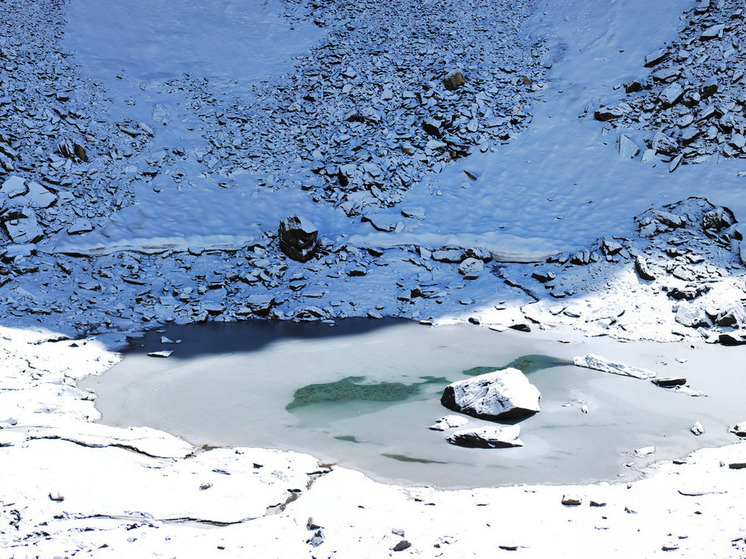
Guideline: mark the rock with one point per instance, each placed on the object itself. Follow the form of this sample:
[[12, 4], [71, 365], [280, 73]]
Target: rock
[[692, 316], [732, 317], [669, 382], [38, 196], [14, 186], [608, 113], [80, 226], [602, 364], [627, 148], [401, 546], [656, 57], [571, 500], [454, 80], [643, 269], [712, 32], [298, 238], [611, 248], [471, 268], [80, 153], [737, 465], [671, 95], [453, 256], [709, 88], [543, 276], [383, 222], [499, 395], [644, 451], [718, 219], [432, 127], [491, 436], [732, 338], [697, 429], [24, 229], [163, 354], [260, 304], [449, 422], [739, 429]]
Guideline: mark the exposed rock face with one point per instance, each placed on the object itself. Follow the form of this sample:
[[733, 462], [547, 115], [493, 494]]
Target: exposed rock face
[[499, 395], [298, 238], [491, 436]]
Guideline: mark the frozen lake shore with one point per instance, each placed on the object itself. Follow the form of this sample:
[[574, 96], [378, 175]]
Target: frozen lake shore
[[144, 170]]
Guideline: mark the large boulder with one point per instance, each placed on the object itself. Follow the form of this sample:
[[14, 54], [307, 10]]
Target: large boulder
[[490, 436], [499, 395], [298, 238]]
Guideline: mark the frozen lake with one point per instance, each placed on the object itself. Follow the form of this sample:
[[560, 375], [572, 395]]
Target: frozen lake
[[362, 395]]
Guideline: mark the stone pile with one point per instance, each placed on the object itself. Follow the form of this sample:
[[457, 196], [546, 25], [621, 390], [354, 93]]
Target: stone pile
[[371, 110], [691, 100], [683, 260]]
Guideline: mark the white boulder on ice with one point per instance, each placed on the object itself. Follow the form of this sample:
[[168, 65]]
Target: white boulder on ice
[[505, 394]]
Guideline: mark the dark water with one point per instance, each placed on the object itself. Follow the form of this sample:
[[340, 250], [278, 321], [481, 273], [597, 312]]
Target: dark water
[[362, 394]]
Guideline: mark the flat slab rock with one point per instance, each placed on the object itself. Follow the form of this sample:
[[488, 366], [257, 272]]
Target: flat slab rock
[[499, 395], [602, 364], [490, 436]]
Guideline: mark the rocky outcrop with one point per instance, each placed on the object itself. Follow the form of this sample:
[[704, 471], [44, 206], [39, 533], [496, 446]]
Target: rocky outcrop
[[500, 395]]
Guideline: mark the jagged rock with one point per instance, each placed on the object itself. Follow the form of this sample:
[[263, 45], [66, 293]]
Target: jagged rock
[[732, 317], [627, 148], [432, 127], [298, 238], [718, 219], [608, 113], [491, 436], [712, 32], [14, 186], [670, 219], [260, 304], [732, 338], [671, 95], [38, 196], [499, 395], [643, 269], [611, 247], [24, 229], [688, 292], [602, 364], [80, 153], [571, 500], [80, 226], [451, 255], [449, 422], [543, 276], [453, 80], [739, 429], [471, 268], [697, 429], [692, 316], [709, 88], [383, 222], [668, 382], [656, 57]]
